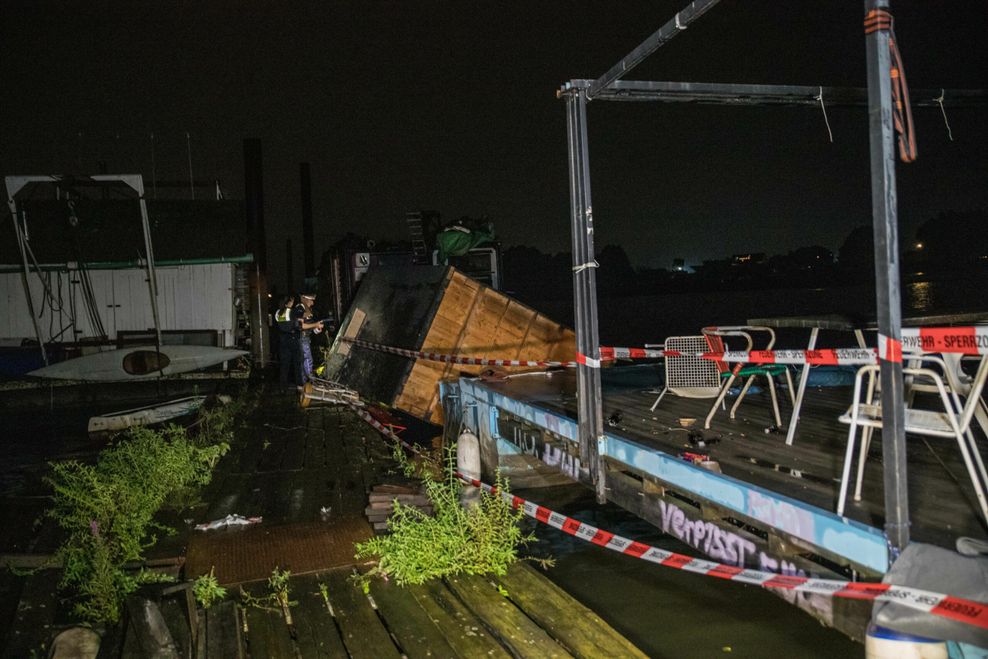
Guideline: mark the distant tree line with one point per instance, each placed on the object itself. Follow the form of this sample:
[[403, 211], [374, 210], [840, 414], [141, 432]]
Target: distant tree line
[[950, 243]]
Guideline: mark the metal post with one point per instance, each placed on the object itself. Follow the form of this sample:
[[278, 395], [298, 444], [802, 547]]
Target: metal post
[[12, 205], [656, 40], [591, 422], [152, 274], [883, 208], [254, 195]]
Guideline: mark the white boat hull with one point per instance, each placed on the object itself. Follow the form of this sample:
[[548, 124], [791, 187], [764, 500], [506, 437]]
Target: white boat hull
[[138, 363], [144, 416]]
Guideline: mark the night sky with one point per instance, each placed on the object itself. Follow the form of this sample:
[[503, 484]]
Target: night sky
[[451, 106]]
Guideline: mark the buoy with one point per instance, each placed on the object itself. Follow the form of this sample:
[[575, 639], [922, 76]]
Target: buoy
[[468, 464], [884, 643]]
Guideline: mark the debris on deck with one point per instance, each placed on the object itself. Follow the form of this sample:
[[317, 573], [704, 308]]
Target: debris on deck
[[381, 503]]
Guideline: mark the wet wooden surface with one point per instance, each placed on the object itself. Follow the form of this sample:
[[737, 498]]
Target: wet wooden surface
[[308, 474], [462, 617]]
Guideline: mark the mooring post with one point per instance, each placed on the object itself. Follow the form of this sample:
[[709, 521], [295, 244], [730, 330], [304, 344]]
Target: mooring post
[[589, 408], [885, 224]]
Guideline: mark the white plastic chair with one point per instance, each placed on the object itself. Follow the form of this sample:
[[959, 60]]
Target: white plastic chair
[[953, 421], [688, 375]]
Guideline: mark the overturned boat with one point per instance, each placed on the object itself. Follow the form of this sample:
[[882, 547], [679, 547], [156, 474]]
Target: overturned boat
[[144, 416], [138, 363]]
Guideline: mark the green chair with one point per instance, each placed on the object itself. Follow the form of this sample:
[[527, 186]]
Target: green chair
[[717, 337]]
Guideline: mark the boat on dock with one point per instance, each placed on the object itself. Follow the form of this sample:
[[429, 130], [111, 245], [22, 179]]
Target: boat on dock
[[138, 363], [146, 415]]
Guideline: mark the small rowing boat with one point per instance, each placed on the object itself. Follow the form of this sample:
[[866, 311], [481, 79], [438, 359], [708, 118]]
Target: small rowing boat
[[144, 416]]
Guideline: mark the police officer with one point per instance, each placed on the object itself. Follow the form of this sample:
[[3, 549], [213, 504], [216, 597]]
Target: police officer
[[287, 342], [303, 326]]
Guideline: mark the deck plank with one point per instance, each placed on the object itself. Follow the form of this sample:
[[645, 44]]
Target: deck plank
[[317, 635], [571, 624], [364, 635], [221, 629], [514, 629], [464, 632], [268, 634], [416, 632]]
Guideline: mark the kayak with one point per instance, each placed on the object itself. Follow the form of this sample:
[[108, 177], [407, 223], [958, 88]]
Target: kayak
[[138, 363]]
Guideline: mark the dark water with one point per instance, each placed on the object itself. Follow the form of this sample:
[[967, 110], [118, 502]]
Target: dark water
[[667, 612], [650, 318]]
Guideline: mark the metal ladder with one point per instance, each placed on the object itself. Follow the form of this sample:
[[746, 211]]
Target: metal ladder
[[414, 222]]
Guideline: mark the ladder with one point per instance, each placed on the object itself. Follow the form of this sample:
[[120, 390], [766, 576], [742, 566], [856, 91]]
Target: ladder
[[414, 222]]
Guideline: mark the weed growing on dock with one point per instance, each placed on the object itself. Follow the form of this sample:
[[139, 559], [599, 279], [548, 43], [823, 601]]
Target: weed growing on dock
[[207, 589], [278, 598], [108, 510], [217, 423], [476, 539]]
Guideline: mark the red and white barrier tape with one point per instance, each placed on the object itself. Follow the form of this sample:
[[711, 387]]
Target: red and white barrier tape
[[889, 349], [454, 359], [840, 357], [945, 606], [611, 352], [965, 340], [607, 353]]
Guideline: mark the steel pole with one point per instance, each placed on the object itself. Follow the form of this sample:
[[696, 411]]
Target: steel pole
[[12, 205], [589, 407], [151, 272], [656, 40], [884, 220]]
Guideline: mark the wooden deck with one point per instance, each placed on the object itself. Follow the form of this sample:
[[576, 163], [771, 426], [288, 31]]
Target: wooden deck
[[461, 617], [307, 473], [292, 467], [941, 499], [942, 502]]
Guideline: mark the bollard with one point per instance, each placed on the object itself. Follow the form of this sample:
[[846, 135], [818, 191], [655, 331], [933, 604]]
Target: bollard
[[884, 643], [468, 464]]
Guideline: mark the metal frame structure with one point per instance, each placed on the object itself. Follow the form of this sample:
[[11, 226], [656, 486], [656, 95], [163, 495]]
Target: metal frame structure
[[878, 98], [16, 184]]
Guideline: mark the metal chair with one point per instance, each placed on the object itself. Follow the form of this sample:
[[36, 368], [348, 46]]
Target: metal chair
[[953, 421], [689, 375], [750, 371]]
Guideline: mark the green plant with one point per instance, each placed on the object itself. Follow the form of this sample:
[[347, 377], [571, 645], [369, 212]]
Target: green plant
[[476, 539], [324, 591], [107, 510], [279, 597], [216, 424], [207, 589]]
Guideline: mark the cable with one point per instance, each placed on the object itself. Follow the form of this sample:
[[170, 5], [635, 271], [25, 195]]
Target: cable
[[825, 120], [946, 123]]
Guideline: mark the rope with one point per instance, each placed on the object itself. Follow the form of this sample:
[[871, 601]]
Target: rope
[[879, 20], [584, 266], [946, 123], [825, 120]]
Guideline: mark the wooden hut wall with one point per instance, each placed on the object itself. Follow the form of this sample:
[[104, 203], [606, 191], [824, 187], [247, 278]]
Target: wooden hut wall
[[473, 320]]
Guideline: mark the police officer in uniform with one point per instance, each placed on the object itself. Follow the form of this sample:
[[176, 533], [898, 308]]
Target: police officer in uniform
[[303, 326], [287, 342]]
